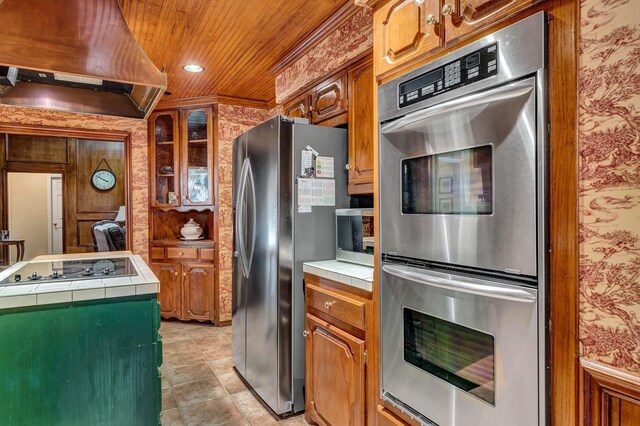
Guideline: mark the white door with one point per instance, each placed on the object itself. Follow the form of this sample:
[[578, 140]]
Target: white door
[[56, 215]]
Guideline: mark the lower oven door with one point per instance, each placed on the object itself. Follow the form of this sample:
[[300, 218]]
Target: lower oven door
[[457, 350]]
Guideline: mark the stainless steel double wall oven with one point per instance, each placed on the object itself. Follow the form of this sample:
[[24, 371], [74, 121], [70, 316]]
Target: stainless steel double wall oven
[[463, 233]]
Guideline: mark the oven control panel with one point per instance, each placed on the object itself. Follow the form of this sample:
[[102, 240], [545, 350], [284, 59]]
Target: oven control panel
[[476, 66]]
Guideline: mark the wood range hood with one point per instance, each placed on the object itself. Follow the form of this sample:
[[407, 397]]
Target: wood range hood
[[75, 55]]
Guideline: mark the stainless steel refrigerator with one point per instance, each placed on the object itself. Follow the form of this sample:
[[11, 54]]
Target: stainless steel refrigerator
[[271, 241]]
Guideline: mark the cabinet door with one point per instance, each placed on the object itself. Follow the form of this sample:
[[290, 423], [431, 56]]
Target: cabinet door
[[164, 159], [466, 17], [405, 30], [361, 128], [329, 100], [197, 291], [197, 157], [170, 295], [335, 374], [298, 108]]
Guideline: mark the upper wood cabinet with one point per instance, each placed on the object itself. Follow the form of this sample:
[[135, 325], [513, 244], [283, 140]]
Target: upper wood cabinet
[[466, 17], [181, 158], [164, 158], [405, 29], [408, 30], [329, 100], [362, 125], [298, 108], [197, 151], [335, 374]]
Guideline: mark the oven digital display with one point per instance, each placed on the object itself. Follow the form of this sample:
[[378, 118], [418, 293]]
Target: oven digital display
[[455, 182], [456, 354]]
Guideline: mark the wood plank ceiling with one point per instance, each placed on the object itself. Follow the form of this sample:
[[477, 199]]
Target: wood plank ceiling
[[236, 41]]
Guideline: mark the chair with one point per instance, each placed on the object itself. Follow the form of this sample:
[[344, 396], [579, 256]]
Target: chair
[[108, 236]]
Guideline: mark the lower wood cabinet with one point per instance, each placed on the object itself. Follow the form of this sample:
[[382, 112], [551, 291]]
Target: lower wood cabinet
[[186, 288], [336, 384], [335, 375]]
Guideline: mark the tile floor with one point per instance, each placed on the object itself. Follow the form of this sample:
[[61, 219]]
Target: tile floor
[[199, 386]]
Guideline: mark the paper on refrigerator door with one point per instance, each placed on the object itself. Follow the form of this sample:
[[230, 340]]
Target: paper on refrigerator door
[[316, 192], [307, 162], [324, 167]]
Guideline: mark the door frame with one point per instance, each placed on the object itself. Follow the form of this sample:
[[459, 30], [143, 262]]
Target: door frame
[[64, 132], [51, 177]]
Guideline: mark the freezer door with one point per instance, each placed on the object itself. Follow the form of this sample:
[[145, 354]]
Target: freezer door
[[261, 254], [239, 281]]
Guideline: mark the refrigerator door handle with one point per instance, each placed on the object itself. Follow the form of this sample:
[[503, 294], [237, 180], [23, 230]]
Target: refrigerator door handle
[[252, 197], [240, 219]]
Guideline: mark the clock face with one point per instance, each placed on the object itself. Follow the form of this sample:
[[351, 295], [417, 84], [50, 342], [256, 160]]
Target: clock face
[[103, 180]]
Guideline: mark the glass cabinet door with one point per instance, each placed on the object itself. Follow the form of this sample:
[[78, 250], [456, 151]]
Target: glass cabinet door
[[197, 157], [164, 159]]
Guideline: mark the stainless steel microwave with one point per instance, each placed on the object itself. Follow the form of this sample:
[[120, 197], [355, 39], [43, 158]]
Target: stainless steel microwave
[[354, 236]]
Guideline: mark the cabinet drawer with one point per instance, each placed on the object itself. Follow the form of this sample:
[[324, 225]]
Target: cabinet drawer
[[182, 253], [157, 253], [340, 307], [207, 254]]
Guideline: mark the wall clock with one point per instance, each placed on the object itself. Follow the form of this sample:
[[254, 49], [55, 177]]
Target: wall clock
[[103, 179]]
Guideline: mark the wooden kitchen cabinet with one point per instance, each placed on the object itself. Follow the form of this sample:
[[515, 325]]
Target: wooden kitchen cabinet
[[463, 18], [362, 125], [298, 108], [170, 295], [197, 291], [164, 158], [408, 30], [335, 374], [404, 30], [329, 101], [336, 352]]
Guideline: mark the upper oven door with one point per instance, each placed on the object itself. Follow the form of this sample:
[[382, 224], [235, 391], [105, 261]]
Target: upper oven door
[[458, 181]]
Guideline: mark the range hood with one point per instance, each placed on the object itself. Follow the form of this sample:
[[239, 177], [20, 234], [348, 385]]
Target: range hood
[[75, 55]]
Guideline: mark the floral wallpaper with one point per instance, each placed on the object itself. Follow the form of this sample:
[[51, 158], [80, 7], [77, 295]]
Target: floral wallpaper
[[609, 136], [348, 41], [139, 178], [232, 122]]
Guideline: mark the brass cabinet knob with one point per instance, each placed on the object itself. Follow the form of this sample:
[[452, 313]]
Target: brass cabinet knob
[[176, 274], [181, 253], [328, 305], [347, 166], [447, 10], [184, 274], [431, 19], [305, 333]]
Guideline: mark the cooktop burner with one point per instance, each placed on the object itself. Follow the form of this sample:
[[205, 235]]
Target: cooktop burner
[[71, 270]]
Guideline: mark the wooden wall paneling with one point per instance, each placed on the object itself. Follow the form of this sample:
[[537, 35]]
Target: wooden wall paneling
[[89, 156], [608, 397], [70, 200], [36, 149]]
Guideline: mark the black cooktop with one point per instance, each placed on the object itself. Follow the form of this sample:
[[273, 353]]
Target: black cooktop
[[71, 270]]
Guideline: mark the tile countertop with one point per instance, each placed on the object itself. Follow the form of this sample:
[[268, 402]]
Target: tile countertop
[[359, 276], [15, 296]]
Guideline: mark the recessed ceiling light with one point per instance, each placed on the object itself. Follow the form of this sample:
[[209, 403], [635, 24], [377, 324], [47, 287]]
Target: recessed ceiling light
[[193, 68]]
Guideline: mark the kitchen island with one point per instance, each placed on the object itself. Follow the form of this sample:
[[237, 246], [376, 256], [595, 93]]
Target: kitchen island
[[79, 341]]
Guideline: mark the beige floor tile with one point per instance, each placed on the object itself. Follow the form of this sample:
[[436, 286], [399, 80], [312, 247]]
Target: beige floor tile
[[173, 335], [164, 377], [168, 400], [231, 382], [262, 420], [177, 346], [213, 412], [196, 392], [190, 373], [216, 353], [222, 365], [248, 405], [172, 418]]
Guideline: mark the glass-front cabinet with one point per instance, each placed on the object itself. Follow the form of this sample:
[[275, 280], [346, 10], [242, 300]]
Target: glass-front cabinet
[[181, 155], [197, 152], [164, 157]]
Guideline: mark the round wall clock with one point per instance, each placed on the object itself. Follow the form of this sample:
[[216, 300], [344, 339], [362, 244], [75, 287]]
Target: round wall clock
[[103, 180]]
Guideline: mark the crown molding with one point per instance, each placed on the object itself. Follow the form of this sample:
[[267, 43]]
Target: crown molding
[[210, 100]]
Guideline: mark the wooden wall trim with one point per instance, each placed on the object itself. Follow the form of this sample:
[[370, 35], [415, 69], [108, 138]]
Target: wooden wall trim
[[204, 101], [599, 383], [343, 14]]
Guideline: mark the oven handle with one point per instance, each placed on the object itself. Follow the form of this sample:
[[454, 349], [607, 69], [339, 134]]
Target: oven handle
[[472, 286], [503, 93]]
